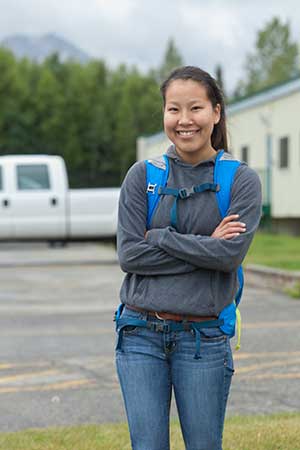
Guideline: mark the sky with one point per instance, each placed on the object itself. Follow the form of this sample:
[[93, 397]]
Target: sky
[[136, 32]]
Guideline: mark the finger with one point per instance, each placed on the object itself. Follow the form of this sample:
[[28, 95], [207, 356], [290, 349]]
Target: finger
[[225, 233], [230, 232], [225, 221], [232, 217], [229, 228], [230, 235], [233, 224], [234, 229]]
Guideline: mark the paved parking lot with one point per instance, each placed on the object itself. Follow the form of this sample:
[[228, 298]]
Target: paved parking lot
[[57, 340]]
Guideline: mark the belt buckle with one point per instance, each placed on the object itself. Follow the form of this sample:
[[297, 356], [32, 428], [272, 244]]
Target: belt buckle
[[163, 327], [158, 316]]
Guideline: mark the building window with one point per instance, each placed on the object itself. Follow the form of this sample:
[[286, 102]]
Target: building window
[[33, 176], [283, 152], [245, 154]]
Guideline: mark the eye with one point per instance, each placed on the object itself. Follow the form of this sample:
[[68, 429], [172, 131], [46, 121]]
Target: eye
[[196, 108], [172, 109]]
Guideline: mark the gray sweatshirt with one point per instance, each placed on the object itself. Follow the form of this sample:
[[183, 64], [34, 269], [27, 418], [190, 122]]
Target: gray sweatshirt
[[183, 271]]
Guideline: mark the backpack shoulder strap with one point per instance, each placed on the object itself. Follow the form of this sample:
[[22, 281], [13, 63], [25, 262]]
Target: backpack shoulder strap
[[225, 170], [157, 172]]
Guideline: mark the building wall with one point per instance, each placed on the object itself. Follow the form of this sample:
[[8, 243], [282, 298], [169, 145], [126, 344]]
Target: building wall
[[148, 147], [250, 128]]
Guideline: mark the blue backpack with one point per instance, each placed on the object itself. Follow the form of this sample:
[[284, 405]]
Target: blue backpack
[[157, 172]]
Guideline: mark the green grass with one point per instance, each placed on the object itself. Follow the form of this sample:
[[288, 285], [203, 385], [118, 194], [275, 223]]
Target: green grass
[[280, 251], [276, 432], [294, 291]]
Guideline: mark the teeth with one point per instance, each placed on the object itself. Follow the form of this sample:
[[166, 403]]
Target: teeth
[[186, 133]]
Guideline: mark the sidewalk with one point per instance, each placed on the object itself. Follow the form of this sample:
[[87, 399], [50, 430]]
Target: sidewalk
[[41, 254], [95, 253]]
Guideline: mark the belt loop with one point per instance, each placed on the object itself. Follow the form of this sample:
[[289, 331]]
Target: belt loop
[[120, 337], [186, 325], [198, 342]]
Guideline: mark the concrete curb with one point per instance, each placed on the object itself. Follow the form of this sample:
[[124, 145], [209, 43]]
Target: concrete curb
[[270, 277], [255, 275]]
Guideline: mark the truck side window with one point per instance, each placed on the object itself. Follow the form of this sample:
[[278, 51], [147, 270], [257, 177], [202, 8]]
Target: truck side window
[[33, 176], [1, 184]]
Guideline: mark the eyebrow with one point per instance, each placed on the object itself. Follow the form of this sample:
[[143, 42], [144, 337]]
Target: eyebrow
[[190, 102]]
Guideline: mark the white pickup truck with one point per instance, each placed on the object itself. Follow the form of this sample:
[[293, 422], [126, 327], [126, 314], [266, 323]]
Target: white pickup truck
[[36, 203]]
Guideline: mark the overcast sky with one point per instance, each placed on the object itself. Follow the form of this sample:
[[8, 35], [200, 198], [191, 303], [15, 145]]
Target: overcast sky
[[136, 31]]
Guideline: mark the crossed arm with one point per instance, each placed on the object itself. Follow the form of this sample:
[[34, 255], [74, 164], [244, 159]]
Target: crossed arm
[[136, 255], [165, 251]]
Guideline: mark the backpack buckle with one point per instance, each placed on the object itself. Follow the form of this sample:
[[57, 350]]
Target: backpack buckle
[[186, 192], [151, 188]]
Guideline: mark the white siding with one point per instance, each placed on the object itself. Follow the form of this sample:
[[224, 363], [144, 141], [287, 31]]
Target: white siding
[[250, 127], [148, 147]]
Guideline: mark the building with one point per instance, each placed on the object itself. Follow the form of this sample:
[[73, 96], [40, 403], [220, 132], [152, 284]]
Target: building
[[264, 131]]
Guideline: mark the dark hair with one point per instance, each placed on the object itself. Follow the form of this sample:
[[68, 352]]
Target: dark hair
[[214, 93]]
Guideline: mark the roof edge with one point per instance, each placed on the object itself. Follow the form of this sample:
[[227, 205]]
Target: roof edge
[[270, 93]]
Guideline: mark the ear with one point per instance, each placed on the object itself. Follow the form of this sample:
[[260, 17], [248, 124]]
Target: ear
[[217, 111]]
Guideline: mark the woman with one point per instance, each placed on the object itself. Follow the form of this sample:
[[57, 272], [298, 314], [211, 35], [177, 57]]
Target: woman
[[182, 273]]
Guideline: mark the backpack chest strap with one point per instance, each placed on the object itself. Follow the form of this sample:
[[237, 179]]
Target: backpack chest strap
[[184, 193]]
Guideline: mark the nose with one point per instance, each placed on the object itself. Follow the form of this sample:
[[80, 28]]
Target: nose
[[185, 118]]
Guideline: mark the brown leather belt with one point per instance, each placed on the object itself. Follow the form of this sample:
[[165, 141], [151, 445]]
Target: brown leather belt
[[169, 316]]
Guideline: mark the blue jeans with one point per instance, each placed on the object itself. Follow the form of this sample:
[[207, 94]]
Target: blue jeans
[[150, 364]]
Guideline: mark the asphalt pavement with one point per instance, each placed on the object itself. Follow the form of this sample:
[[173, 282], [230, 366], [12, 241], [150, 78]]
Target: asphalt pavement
[[57, 341]]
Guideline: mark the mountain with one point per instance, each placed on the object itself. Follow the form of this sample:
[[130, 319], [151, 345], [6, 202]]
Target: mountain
[[37, 48]]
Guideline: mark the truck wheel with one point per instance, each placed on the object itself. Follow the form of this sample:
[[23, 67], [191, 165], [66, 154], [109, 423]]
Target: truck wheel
[[57, 244]]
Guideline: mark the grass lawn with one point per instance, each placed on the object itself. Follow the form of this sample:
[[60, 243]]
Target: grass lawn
[[276, 432], [274, 250]]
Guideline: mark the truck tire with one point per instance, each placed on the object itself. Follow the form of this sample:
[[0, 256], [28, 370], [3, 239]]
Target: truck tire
[[57, 244]]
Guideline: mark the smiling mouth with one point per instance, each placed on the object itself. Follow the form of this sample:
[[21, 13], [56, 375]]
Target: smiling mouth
[[187, 133]]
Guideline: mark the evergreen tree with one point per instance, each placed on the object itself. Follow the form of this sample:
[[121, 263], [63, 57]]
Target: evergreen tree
[[275, 59], [219, 78], [12, 91], [48, 106], [172, 59], [139, 113]]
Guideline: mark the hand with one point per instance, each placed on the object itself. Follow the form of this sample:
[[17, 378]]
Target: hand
[[229, 228]]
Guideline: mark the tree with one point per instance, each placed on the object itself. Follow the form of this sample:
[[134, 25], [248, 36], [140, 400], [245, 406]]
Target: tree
[[274, 60], [172, 59], [48, 106], [139, 112], [219, 77], [12, 94]]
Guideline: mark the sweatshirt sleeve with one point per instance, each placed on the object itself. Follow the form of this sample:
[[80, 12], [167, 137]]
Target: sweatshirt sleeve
[[218, 254], [136, 255]]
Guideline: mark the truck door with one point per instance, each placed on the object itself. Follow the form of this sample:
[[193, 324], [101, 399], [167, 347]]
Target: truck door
[[6, 229], [38, 209]]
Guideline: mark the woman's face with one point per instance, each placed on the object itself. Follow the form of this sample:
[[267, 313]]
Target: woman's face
[[189, 120]]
